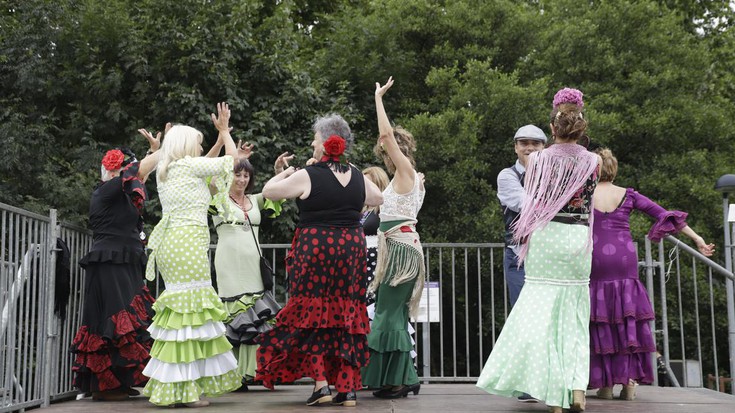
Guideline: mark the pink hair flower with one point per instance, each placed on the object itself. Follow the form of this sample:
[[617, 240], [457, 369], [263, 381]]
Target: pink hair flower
[[568, 95]]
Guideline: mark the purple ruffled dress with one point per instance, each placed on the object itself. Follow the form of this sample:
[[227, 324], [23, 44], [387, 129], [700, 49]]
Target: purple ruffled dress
[[620, 334]]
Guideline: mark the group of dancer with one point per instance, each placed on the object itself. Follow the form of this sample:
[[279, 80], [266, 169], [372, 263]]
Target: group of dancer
[[180, 345], [580, 315]]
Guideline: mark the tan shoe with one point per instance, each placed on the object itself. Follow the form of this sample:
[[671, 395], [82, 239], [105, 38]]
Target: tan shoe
[[555, 409], [198, 403], [605, 393], [628, 392], [578, 401]]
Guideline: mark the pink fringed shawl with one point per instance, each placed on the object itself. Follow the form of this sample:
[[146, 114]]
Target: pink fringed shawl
[[553, 177]]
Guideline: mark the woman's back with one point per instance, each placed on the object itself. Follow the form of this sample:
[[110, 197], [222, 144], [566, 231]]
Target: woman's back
[[330, 203]]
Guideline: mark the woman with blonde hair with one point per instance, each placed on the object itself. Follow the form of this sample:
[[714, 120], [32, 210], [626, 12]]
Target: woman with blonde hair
[[399, 274], [370, 221], [543, 350], [190, 355], [621, 341]]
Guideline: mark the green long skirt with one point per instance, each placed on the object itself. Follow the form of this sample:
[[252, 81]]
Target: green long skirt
[[543, 349], [389, 341]]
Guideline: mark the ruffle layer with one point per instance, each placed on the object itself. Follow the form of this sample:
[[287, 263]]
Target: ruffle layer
[[164, 394], [251, 319], [616, 301], [669, 223], [633, 336], [125, 327], [133, 186], [114, 359], [325, 312], [389, 368], [609, 370], [208, 331], [191, 301], [125, 256], [189, 351], [172, 320], [328, 342], [388, 341], [178, 372]]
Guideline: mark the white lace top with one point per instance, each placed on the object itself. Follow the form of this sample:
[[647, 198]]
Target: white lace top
[[403, 207]]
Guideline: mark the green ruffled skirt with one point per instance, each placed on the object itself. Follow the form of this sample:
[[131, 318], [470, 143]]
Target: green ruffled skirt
[[190, 356]]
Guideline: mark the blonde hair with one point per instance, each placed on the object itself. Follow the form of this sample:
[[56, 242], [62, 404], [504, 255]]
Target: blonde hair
[[407, 145], [180, 141], [609, 168], [378, 176]]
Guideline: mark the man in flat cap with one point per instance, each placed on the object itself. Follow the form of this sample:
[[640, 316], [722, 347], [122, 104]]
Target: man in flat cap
[[528, 139]]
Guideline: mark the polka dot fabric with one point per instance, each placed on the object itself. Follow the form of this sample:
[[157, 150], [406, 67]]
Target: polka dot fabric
[[543, 349], [320, 333], [621, 341], [186, 360]]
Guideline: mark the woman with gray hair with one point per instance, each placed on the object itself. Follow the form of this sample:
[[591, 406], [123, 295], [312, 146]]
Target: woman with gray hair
[[112, 345], [321, 332]]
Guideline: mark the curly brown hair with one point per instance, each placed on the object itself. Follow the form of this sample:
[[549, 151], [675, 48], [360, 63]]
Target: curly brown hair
[[407, 145], [568, 122]]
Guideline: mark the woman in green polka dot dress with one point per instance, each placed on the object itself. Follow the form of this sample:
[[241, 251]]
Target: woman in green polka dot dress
[[543, 349], [191, 355]]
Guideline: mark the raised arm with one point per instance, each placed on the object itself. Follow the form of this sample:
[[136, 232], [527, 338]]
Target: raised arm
[[222, 123], [404, 175], [288, 184], [149, 163]]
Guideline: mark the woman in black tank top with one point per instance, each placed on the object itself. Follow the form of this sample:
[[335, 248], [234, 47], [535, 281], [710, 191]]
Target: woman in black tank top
[[321, 332]]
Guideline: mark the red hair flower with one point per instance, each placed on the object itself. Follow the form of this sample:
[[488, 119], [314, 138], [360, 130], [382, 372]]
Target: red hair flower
[[334, 146], [113, 159]]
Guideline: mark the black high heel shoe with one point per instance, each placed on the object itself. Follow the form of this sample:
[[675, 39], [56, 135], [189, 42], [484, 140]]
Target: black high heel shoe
[[397, 394], [321, 396]]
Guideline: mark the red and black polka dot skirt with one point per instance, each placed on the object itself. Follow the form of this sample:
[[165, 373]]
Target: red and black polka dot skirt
[[321, 332]]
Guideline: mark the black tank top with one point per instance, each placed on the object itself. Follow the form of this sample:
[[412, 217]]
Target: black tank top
[[329, 203]]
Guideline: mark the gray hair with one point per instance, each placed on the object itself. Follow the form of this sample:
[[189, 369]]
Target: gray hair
[[333, 124]]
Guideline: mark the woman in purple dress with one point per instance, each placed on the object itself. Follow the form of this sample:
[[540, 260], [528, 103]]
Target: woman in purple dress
[[620, 335]]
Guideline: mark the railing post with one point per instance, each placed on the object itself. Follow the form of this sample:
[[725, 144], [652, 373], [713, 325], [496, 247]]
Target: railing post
[[50, 281], [729, 288], [649, 286]]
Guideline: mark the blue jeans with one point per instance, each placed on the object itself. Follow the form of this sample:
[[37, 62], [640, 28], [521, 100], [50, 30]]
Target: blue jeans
[[514, 276]]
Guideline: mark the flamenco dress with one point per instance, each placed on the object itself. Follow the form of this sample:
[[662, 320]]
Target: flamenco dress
[[543, 348], [112, 345], [251, 310], [190, 355], [321, 331], [621, 341], [390, 343]]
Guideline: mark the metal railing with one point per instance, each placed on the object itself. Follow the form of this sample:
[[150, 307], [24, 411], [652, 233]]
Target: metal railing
[[465, 308], [694, 307]]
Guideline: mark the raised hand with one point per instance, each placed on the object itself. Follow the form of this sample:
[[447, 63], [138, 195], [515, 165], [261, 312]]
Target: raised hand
[[154, 143], [380, 90], [282, 162], [244, 150], [222, 119]]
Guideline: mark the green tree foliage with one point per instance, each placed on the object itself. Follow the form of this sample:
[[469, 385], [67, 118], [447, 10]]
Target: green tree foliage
[[81, 76]]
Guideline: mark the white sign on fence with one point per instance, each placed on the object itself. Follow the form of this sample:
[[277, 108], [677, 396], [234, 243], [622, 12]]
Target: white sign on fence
[[429, 304]]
